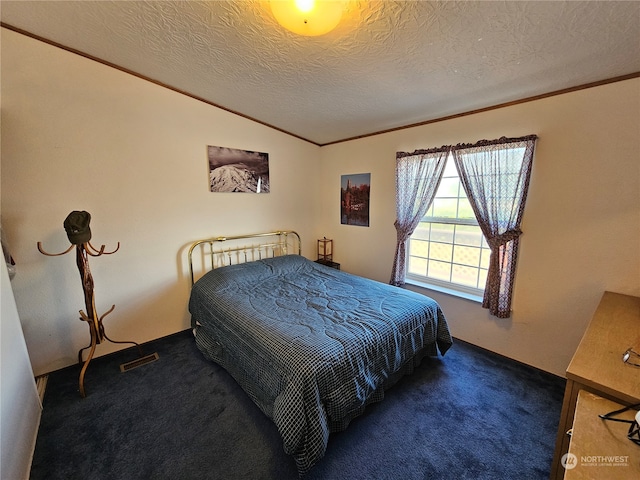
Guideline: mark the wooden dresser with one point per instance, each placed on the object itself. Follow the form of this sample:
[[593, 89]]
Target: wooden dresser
[[600, 449], [597, 368]]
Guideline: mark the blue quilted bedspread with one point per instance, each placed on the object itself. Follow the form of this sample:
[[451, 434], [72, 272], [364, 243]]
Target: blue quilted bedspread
[[311, 345]]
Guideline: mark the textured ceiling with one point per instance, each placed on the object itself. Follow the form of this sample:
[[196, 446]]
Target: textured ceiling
[[388, 64]]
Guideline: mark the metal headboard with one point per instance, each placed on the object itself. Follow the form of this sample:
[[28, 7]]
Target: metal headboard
[[281, 243]]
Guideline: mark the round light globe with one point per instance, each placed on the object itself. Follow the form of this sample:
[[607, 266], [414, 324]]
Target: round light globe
[[307, 17]]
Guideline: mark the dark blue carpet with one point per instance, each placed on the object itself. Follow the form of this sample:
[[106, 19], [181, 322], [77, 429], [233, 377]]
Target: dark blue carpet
[[469, 415]]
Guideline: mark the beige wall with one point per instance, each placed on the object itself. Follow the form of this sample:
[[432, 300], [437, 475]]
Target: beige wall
[[581, 224], [79, 135]]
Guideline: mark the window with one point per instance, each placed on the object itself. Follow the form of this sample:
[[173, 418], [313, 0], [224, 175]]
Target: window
[[443, 245], [448, 249]]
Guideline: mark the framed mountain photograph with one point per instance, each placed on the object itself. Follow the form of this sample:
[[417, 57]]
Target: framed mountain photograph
[[233, 170]]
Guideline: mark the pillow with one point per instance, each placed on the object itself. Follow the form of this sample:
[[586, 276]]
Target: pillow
[[286, 263], [222, 278]]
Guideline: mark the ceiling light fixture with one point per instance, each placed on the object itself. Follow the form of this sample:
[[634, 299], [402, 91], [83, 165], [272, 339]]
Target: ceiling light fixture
[[307, 17]]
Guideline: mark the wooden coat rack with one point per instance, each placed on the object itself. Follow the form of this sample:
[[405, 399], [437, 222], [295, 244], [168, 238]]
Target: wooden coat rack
[[96, 327]]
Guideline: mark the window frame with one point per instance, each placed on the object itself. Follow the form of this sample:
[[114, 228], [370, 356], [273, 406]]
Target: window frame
[[449, 287]]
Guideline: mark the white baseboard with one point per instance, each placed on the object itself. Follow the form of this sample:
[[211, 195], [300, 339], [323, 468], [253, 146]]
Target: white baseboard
[[41, 386]]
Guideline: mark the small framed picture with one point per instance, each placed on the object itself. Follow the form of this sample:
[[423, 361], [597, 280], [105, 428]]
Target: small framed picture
[[233, 170], [354, 199]]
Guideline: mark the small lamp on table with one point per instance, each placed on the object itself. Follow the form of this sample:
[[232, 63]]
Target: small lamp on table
[[325, 249]]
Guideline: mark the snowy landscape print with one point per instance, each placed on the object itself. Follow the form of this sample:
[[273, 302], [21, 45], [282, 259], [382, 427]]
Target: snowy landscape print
[[233, 170]]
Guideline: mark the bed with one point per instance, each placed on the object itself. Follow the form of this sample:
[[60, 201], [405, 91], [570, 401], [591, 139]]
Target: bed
[[311, 345]]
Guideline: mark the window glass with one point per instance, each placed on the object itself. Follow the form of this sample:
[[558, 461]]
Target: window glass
[[448, 248]]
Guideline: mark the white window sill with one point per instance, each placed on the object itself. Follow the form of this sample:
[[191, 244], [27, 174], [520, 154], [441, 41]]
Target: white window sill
[[445, 290]]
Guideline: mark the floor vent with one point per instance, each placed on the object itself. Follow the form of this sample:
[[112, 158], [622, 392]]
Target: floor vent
[[125, 367]]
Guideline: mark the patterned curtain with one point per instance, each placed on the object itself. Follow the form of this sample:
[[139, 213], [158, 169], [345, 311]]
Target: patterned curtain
[[495, 176], [418, 175]]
